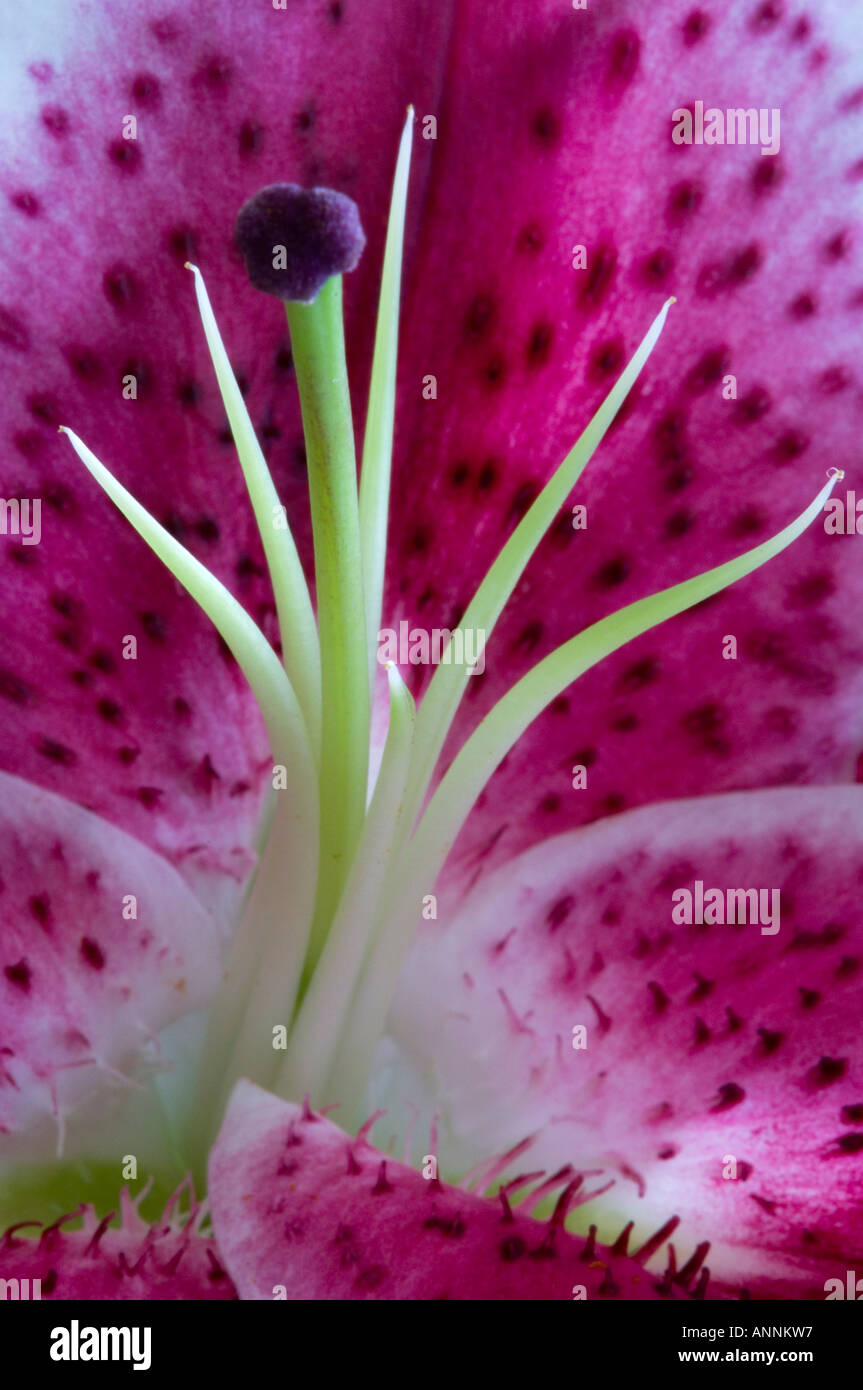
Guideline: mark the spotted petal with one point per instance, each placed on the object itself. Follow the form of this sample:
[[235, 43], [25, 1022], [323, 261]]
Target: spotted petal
[[94, 302], [303, 1211], [718, 1076], [102, 944], [760, 249], [172, 1259], [568, 144]]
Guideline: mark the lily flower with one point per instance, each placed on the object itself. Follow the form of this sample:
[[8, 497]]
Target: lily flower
[[355, 818]]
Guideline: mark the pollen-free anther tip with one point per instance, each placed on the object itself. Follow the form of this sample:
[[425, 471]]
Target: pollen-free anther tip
[[294, 239]]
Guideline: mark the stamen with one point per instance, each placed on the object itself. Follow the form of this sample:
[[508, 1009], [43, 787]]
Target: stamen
[[507, 721], [380, 417], [297, 628], [261, 977], [291, 855], [293, 240], [448, 683], [258, 661], [477, 760], [314, 1040]]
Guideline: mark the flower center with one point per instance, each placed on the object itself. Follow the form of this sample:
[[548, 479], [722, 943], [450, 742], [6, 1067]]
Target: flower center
[[342, 876]]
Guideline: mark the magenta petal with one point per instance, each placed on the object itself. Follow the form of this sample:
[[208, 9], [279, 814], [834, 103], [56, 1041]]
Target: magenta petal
[[168, 1260], [573, 113], [564, 140], [84, 985], [95, 230], [704, 1043], [303, 1211]]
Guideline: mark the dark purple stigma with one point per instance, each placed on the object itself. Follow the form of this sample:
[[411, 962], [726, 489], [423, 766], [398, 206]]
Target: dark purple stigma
[[293, 239]]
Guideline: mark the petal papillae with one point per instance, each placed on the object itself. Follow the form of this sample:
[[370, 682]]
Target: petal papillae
[[711, 1069], [82, 1257], [303, 1210]]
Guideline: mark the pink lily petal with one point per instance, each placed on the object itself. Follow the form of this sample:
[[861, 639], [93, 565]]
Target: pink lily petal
[[84, 985], [567, 141], [574, 114], [169, 1260], [303, 1211], [513, 343], [168, 746], [703, 1042]]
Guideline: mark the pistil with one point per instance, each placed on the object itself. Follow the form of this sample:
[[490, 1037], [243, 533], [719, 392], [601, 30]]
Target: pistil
[[296, 243], [336, 898], [317, 342]]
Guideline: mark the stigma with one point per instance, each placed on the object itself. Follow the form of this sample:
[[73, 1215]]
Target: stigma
[[294, 239]]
